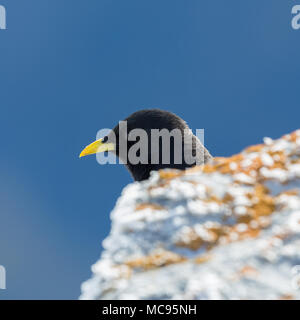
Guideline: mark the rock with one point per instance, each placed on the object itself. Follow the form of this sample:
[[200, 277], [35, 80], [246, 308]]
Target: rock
[[226, 230]]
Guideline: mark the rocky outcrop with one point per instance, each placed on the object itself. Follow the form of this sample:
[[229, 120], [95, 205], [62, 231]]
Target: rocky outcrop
[[226, 230]]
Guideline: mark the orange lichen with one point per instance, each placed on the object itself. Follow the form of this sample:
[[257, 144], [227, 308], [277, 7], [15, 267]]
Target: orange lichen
[[287, 297], [256, 148], [202, 259], [192, 241], [279, 159], [245, 218], [249, 233], [209, 168], [235, 164], [223, 165], [153, 206], [170, 174], [292, 136], [248, 271], [193, 169], [228, 198], [263, 203], [245, 272], [157, 259], [292, 192], [212, 198]]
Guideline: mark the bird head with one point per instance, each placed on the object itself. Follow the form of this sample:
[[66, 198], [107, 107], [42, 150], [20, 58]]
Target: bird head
[[141, 122]]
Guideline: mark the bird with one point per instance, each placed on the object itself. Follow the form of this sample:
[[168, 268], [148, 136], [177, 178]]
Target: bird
[[159, 121]]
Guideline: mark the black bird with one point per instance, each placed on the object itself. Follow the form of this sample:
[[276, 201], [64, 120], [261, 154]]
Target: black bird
[[147, 120]]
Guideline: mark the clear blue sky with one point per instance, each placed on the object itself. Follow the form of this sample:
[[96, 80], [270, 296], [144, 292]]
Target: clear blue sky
[[69, 68]]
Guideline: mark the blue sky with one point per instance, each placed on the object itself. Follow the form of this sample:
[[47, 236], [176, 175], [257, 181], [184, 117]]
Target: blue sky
[[69, 68]]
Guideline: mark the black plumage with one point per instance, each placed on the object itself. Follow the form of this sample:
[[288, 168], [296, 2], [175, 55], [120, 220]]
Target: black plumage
[[158, 119]]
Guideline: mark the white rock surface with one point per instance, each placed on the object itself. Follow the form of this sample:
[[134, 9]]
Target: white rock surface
[[227, 230]]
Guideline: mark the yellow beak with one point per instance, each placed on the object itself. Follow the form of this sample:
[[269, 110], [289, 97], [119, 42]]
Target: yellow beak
[[96, 147]]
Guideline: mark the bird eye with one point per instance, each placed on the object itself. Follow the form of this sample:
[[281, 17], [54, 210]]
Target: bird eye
[[104, 139]]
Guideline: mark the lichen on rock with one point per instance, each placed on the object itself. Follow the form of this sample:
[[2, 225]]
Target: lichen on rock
[[227, 230]]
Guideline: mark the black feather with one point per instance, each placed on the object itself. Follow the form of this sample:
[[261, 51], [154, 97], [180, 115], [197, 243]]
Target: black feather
[[159, 119]]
